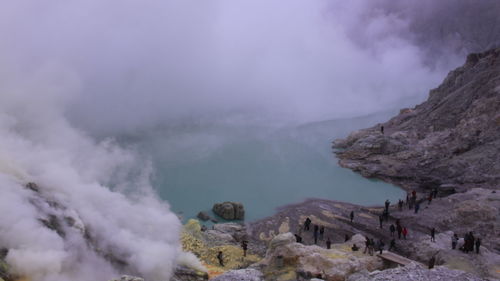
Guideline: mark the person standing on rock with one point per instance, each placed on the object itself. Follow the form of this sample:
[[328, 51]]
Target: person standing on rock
[[307, 224], [351, 216], [478, 245], [220, 257], [367, 245], [405, 232], [244, 246], [392, 228], [433, 235], [454, 241], [400, 205], [316, 230], [380, 220], [321, 232], [382, 129], [387, 204], [328, 243]]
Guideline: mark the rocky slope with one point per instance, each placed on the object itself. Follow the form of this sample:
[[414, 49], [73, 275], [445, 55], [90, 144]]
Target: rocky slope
[[451, 141]]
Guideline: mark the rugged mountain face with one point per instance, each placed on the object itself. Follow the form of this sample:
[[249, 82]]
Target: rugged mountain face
[[451, 141]]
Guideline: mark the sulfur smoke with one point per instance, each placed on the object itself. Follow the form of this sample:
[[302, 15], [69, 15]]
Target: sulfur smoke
[[71, 226], [70, 70]]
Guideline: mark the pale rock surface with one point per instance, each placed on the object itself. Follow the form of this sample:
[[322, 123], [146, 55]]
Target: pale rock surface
[[334, 264], [247, 274]]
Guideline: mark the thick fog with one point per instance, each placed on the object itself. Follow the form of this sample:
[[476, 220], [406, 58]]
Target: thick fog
[[143, 62], [72, 69]]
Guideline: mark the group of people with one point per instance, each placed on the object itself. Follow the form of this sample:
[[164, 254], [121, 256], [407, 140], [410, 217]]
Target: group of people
[[318, 231], [401, 230], [469, 243], [371, 246], [220, 255]]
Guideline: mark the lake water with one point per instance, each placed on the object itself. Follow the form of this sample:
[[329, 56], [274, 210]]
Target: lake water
[[262, 166]]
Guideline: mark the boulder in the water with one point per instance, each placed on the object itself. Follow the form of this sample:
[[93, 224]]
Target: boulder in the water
[[229, 210], [203, 216]]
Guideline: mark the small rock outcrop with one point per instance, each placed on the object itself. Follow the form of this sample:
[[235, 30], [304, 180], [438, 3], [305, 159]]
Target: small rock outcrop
[[229, 210], [203, 216], [450, 142]]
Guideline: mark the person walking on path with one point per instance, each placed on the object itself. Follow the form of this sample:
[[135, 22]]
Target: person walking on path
[[321, 232], [244, 246], [351, 216], [433, 235], [371, 247], [380, 220], [405, 232], [393, 244], [478, 245], [328, 243], [380, 246], [454, 241], [367, 245], [220, 257], [392, 228], [400, 230], [307, 224]]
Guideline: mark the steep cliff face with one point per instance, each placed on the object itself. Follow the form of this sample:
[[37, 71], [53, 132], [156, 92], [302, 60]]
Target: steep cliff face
[[451, 141]]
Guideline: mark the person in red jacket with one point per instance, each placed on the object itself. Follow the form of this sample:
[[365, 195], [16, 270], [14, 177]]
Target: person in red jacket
[[405, 232]]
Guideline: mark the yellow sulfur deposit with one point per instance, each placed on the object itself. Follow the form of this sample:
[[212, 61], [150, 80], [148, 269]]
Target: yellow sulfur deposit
[[193, 241]]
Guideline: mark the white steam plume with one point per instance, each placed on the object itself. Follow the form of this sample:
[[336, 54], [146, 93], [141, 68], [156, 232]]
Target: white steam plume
[[96, 233]]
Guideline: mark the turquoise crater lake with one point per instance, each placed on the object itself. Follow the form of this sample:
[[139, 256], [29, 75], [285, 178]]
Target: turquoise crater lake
[[264, 167]]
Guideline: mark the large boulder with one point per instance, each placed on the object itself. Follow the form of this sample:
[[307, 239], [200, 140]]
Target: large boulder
[[287, 260], [229, 210]]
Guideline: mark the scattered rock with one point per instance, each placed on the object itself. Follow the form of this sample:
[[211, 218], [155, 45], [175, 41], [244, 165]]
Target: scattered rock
[[229, 210]]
